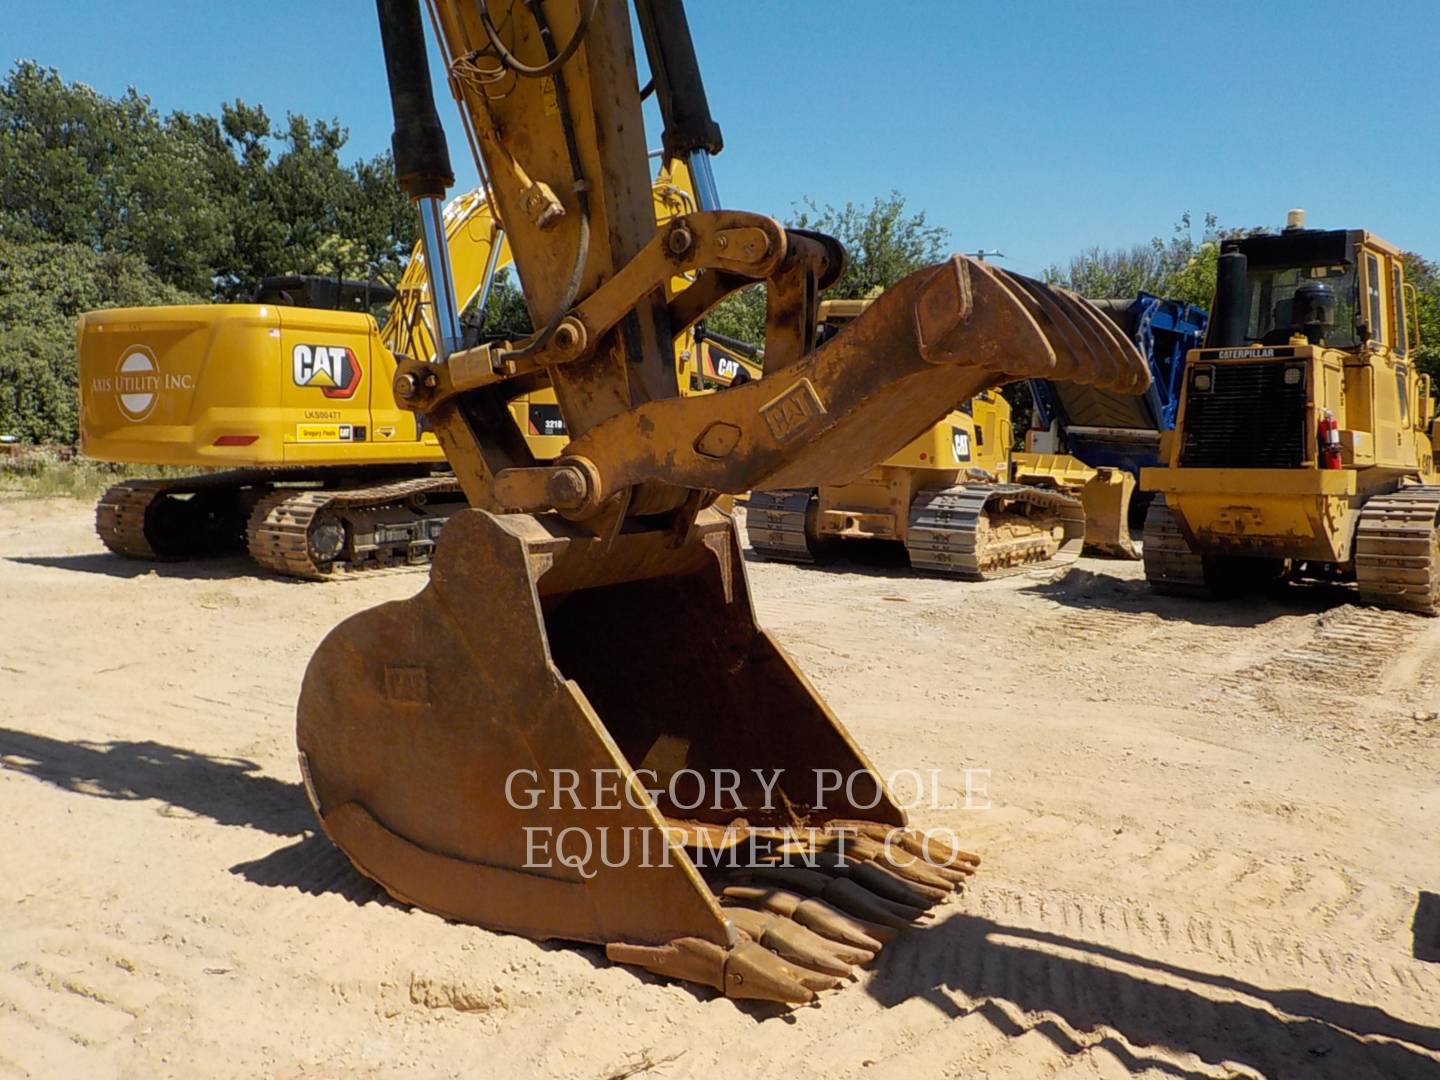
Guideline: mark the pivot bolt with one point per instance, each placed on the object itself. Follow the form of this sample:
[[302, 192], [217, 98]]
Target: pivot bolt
[[568, 488], [405, 386], [569, 337], [680, 240]]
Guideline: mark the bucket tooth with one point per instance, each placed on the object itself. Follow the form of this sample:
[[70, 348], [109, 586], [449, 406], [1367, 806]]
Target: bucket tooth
[[825, 918], [800, 879], [814, 914], [791, 941], [743, 970], [954, 878], [892, 887], [935, 850], [916, 873], [924, 845], [689, 959], [919, 880], [754, 972], [879, 880], [852, 896], [841, 892]]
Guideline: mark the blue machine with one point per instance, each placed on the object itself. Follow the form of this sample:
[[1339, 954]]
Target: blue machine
[[1118, 430]]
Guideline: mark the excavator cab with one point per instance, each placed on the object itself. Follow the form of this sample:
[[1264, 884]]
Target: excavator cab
[[534, 743], [330, 293]]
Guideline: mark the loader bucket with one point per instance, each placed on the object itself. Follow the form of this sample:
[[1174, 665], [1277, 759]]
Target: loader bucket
[[1106, 497], [560, 733]]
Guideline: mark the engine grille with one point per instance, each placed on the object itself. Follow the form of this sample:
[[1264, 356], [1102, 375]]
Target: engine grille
[[1249, 419]]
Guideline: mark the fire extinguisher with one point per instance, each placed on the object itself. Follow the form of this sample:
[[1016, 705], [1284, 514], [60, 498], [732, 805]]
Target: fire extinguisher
[[1329, 440]]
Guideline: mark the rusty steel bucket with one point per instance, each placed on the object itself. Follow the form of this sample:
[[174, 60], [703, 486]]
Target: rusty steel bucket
[[439, 737]]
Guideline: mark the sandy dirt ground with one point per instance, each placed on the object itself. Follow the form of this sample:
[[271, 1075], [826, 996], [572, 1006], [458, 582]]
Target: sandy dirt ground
[[1211, 847]]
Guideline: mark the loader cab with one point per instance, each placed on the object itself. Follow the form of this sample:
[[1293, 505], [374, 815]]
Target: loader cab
[[1307, 362], [1343, 289]]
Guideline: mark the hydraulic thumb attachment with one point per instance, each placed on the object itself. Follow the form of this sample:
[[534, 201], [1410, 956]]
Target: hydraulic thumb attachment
[[938, 337]]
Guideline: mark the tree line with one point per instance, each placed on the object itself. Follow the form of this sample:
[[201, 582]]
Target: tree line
[[106, 203]]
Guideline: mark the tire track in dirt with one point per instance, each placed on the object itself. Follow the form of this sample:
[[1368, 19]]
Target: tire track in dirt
[[72, 1005], [1322, 897], [1154, 990]]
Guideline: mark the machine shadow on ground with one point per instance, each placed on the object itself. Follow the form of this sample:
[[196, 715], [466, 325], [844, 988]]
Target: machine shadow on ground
[[868, 558], [228, 791], [219, 568], [1084, 588], [1284, 1032], [211, 568], [315, 867]]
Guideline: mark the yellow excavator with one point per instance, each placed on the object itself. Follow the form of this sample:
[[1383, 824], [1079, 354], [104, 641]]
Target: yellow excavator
[[1305, 443], [291, 395], [948, 497], [534, 743]]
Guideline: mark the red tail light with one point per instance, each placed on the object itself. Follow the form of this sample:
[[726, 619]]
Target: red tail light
[[236, 440]]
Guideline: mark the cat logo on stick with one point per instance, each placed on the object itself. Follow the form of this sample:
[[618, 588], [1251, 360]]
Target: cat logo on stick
[[333, 368]]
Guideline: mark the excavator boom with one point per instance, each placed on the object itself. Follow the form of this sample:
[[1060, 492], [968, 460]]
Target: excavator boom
[[591, 618]]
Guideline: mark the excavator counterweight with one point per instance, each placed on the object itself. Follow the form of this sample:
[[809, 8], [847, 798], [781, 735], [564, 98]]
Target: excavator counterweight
[[578, 730]]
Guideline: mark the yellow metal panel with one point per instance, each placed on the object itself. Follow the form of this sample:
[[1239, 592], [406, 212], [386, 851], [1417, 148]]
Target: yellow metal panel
[[1060, 469], [949, 445], [160, 385], [325, 375], [537, 415], [172, 385], [1248, 482]]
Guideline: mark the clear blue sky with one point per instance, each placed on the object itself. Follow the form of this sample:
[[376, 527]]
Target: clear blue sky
[[1040, 128]]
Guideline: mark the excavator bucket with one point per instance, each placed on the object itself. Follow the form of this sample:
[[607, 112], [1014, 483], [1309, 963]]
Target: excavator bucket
[[1107, 514], [564, 736]]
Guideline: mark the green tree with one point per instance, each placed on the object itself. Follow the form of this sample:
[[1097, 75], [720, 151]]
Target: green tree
[[103, 202], [882, 242], [1181, 268], [77, 167], [506, 315], [1425, 276], [44, 287], [300, 210]]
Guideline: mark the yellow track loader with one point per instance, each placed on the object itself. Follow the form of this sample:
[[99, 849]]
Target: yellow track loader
[[947, 496], [1305, 441], [534, 743]]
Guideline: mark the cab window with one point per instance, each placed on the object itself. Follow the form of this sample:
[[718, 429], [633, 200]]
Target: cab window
[[1397, 297], [1375, 311]]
